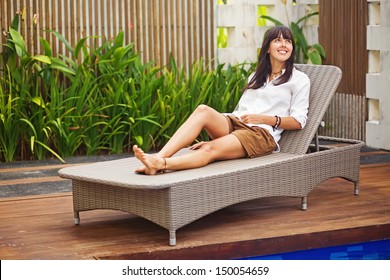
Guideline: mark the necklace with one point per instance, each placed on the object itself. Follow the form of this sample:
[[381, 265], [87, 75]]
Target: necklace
[[275, 75]]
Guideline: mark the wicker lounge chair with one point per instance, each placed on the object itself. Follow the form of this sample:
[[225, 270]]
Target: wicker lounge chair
[[175, 199]]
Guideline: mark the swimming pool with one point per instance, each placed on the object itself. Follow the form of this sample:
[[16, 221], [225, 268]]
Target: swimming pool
[[372, 250]]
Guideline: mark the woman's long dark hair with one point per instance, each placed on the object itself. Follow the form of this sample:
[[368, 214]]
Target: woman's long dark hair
[[264, 67]]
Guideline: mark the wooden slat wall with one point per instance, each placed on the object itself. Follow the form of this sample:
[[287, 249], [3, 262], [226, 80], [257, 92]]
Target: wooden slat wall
[[157, 27], [342, 32], [346, 117]]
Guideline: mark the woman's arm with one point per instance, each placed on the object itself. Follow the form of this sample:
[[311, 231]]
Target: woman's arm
[[288, 123]]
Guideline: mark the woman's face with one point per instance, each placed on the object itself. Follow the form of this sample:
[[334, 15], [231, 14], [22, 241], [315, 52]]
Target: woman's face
[[280, 49]]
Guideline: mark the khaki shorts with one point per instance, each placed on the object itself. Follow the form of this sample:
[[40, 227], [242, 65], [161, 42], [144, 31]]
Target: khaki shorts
[[256, 141]]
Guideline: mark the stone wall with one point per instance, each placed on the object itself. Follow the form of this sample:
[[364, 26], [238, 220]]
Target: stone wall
[[378, 76], [245, 35]]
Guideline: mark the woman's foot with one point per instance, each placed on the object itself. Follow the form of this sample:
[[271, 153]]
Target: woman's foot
[[140, 170], [152, 164]]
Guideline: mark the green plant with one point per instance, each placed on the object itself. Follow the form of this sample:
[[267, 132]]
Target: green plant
[[22, 124], [305, 53], [101, 98], [10, 126]]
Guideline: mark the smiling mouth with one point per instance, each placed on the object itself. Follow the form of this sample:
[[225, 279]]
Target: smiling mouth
[[282, 51]]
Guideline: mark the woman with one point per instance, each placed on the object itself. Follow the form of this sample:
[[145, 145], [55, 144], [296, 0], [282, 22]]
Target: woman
[[276, 98]]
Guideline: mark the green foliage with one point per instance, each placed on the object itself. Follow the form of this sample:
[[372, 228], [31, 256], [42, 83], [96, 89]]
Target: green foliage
[[261, 10], [100, 99], [222, 37]]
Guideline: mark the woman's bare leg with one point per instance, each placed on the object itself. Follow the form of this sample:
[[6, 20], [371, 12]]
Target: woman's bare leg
[[204, 117], [223, 148]]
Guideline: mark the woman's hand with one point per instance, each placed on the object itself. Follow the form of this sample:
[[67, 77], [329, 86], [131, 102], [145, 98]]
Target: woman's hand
[[253, 118], [198, 145]]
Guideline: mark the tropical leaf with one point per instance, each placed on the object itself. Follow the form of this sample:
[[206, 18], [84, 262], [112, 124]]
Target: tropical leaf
[[63, 40], [46, 47], [42, 58], [306, 17], [275, 21], [50, 150], [78, 46], [119, 39], [298, 35], [58, 64], [39, 101], [320, 50], [15, 22], [20, 44], [315, 57], [139, 139]]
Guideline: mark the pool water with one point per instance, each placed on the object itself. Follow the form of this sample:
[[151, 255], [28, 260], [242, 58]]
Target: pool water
[[373, 250]]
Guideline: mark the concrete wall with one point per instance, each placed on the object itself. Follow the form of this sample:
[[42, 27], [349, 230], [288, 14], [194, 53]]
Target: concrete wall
[[245, 36], [378, 78]]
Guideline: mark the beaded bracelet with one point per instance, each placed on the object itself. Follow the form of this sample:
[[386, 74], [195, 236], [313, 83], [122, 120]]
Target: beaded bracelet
[[277, 123]]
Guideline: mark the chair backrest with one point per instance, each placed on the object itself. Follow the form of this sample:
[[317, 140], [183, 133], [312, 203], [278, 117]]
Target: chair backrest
[[324, 80]]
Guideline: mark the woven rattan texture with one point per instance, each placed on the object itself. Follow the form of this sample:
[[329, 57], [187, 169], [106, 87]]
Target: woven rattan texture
[[324, 82]]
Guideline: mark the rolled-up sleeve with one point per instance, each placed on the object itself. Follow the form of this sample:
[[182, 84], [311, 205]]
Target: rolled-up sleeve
[[300, 100]]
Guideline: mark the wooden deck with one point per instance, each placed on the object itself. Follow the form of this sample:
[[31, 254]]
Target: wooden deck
[[41, 227]]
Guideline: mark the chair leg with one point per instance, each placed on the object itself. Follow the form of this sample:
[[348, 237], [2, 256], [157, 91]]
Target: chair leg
[[304, 203], [76, 216], [356, 189], [172, 237]]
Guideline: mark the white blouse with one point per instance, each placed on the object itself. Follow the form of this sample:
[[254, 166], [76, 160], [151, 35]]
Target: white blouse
[[288, 99]]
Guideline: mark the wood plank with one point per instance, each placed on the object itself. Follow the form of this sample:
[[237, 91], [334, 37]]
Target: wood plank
[[37, 168], [31, 180], [41, 227]]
